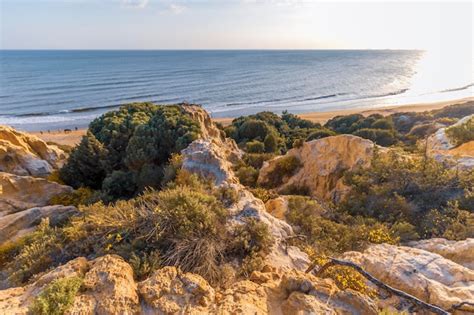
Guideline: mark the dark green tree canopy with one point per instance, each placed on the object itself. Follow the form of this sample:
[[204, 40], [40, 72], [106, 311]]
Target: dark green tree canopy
[[126, 150]]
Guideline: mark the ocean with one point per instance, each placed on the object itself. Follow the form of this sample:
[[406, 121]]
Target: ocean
[[57, 89]]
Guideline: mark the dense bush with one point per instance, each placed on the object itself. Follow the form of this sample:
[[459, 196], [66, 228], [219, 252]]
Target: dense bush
[[379, 136], [278, 133], [127, 150], [81, 196], [327, 235], [418, 191]]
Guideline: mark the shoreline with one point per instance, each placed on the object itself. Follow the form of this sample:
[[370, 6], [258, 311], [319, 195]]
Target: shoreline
[[73, 137]]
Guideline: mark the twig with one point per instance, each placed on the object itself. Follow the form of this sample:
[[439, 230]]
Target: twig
[[334, 262]]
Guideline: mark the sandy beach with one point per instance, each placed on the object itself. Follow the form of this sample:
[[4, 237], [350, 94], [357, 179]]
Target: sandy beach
[[74, 137]]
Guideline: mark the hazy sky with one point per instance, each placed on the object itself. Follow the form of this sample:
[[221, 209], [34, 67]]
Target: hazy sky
[[242, 24]]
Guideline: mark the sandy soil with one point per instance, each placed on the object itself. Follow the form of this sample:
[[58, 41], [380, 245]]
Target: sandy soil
[[74, 137]]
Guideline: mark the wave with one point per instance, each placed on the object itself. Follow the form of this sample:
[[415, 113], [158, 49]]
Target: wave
[[465, 87]]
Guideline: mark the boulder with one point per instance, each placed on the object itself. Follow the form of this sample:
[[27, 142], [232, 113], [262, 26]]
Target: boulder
[[108, 288], [25, 154], [23, 192], [324, 163], [277, 207], [428, 276], [17, 224], [461, 252], [169, 291]]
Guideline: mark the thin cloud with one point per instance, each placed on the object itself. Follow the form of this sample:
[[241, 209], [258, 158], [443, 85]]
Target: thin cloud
[[140, 4], [176, 8]]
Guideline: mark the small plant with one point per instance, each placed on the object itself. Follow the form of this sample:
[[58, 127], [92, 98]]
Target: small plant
[[247, 176], [145, 264], [57, 297], [263, 194]]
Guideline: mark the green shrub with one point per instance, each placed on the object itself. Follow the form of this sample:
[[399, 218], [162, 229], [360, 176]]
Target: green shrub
[[57, 297], [462, 133], [127, 150], [379, 136], [119, 184], [255, 146], [36, 253], [283, 167], [251, 237], [144, 264], [85, 164], [271, 142], [417, 191], [256, 160], [253, 129], [298, 143], [247, 176], [404, 231]]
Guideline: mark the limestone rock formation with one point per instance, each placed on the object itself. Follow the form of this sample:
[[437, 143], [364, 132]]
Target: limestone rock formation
[[428, 276], [277, 207], [25, 154], [211, 157], [23, 192], [109, 288], [324, 163], [443, 149], [461, 252], [20, 223]]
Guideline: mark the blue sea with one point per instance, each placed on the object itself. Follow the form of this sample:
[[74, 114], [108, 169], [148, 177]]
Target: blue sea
[[64, 89]]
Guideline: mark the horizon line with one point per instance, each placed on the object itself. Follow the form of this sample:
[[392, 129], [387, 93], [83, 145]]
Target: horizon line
[[211, 49]]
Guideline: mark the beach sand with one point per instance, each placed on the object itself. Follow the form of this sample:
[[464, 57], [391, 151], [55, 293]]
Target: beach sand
[[74, 137]]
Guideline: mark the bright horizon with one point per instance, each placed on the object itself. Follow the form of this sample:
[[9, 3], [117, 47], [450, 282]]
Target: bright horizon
[[245, 24]]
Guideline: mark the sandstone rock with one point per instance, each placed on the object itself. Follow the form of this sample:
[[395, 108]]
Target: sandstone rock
[[324, 163], [168, 291], [25, 154], [428, 276], [108, 288], [461, 252], [20, 223], [277, 207], [443, 149], [24, 192]]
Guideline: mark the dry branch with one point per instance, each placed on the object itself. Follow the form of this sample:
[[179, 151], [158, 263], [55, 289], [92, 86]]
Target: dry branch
[[337, 262]]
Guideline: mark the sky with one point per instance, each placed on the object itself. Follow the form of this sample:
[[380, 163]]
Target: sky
[[236, 24]]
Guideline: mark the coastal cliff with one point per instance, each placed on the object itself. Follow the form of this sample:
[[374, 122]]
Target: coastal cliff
[[204, 239]]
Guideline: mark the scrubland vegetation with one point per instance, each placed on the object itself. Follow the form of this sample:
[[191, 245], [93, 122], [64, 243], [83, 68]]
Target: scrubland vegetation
[[135, 201]]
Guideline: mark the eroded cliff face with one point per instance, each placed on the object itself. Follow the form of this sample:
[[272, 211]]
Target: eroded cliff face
[[24, 154], [324, 163], [24, 192]]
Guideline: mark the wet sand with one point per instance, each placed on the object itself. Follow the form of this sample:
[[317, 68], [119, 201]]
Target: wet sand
[[74, 137]]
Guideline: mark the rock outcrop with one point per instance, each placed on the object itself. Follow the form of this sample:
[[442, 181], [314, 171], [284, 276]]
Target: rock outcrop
[[109, 288], [17, 224], [324, 163], [23, 192], [461, 252], [25, 154], [443, 149], [428, 276], [211, 157]]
